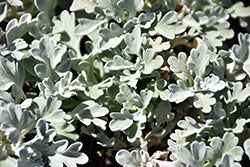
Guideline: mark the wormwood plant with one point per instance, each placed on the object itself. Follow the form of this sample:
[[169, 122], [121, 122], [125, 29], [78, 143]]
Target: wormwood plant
[[139, 83]]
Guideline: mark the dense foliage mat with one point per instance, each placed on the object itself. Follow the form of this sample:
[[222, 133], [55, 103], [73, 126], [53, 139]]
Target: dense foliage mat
[[133, 83]]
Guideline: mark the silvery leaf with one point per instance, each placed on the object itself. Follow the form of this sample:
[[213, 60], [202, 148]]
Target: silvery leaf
[[168, 26], [179, 92]]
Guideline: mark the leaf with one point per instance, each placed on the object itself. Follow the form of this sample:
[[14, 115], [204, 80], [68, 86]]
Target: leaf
[[64, 129], [13, 121], [146, 19], [30, 157], [3, 11], [128, 159], [211, 83], [91, 112], [111, 9], [15, 2], [196, 20], [199, 60], [66, 24], [158, 46], [46, 9], [226, 145], [64, 155], [179, 92], [61, 90], [196, 156], [119, 63], [48, 109], [129, 78], [151, 63], [132, 6], [190, 127], [247, 147], [128, 97], [178, 65], [217, 114], [133, 41], [168, 25], [15, 29], [160, 89], [228, 161], [87, 5], [239, 94], [238, 10], [50, 56], [120, 121], [12, 75], [86, 26], [163, 113], [204, 101], [134, 132]]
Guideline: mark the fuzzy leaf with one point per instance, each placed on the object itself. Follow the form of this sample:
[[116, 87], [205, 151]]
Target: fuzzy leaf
[[228, 161], [15, 29], [132, 6], [91, 112], [191, 127], [12, 75], [196, 156], [67, 155], [179, 92], [133, 41], [226, 145], [213, 83], [151, 63], [128, 159], [13, 121], [178, 65], [239, 94], [88, 5], [168, 25], [3, 10], [86, 26], [50, 56], [119, 63], [247, 147], [127, 96], [204, 101], [238, 10], [120, 121], [163, 113], [199, 60]]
